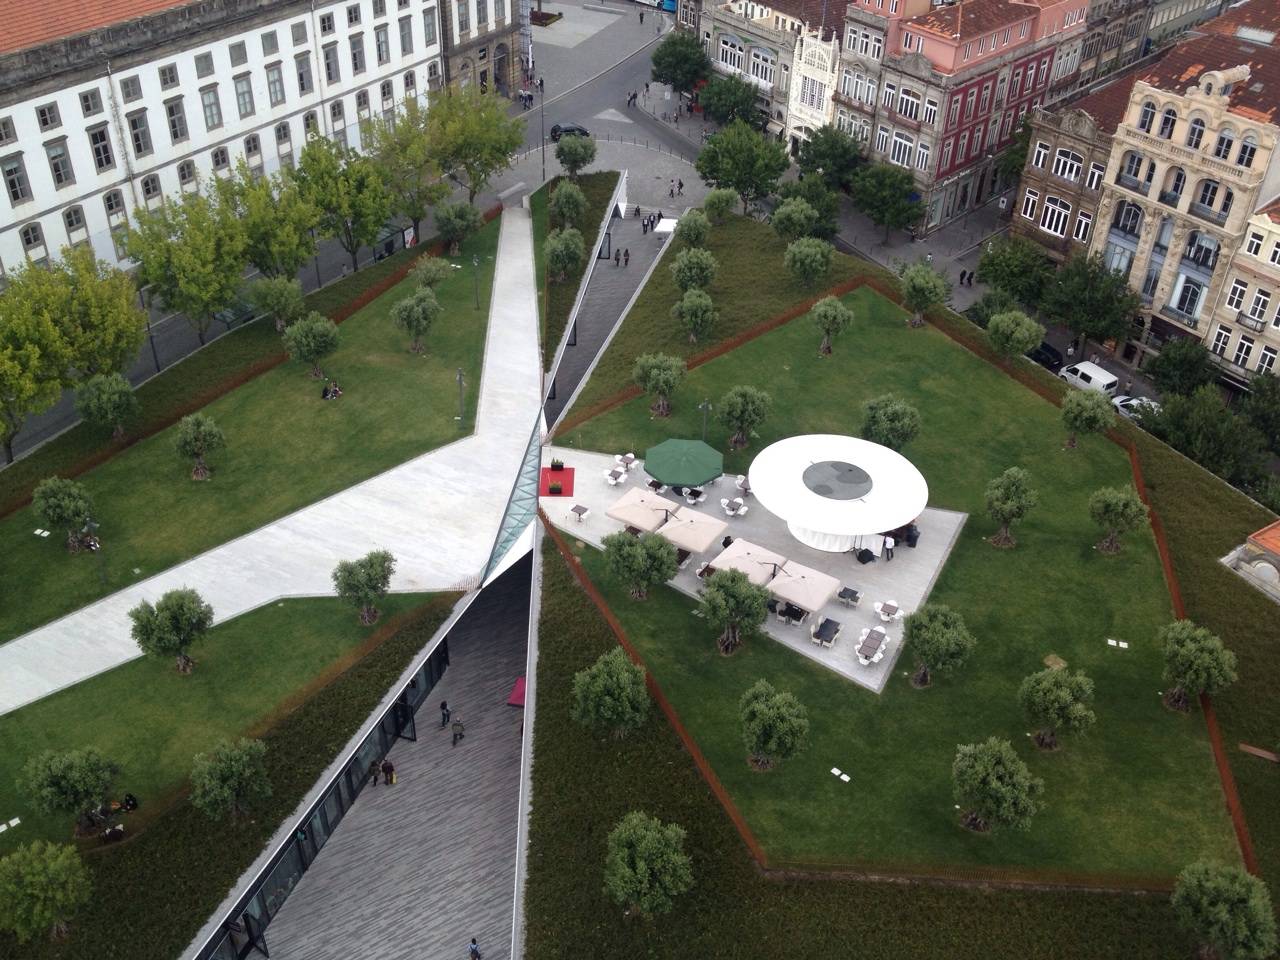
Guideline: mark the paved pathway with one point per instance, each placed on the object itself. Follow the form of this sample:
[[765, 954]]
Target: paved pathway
[[418, 869], [438, 514]]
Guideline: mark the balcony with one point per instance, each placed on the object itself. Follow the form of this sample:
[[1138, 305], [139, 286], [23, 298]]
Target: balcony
[[1170, 199], [1129, 230], [1146, 298], [1256, 324], [1173, 313], [1133, 183], [1202, 260], [1207, 213]]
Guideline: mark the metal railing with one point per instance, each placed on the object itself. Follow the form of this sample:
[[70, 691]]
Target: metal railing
[[1256, 324], [1173, 313], [1133, 183], [1205, 212]]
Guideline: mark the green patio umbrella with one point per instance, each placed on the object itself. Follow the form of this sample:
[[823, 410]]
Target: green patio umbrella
[[684, 463]]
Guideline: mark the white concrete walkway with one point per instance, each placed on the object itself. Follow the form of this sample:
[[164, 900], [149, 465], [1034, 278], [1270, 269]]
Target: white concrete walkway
[[438, 514]]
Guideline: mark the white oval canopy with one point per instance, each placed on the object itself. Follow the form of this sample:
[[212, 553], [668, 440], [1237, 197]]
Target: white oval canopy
[[837, 485]]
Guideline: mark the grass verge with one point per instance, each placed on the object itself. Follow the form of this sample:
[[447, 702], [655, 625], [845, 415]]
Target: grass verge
[[153, 892]]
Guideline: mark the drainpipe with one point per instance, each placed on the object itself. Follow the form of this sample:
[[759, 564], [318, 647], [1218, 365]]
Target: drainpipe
[[125, 144]]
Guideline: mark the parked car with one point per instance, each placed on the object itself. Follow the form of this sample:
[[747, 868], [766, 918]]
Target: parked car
[[1047, 355], [1132, 407], [567, 130], [1090, 376]]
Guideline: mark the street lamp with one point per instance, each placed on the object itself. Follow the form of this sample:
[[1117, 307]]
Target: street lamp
[[462, 385], [706, 407], [542, 122], [475, 276]]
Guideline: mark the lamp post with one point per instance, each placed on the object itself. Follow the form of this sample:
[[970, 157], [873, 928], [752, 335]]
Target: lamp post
[[542, 122], [706, 407], [475, 276], [462, 385]]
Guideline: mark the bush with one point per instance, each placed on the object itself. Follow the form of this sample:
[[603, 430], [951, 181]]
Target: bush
[[808, 260], [41, 888], [564, 251], [1117, 510], [694, 268], [416, 314], [225, 781], [992, 302], [455, 222], [775, 725], [567, 204], [107, 400], [889, 421], [831, 317], [1057, 699], [610, 695], [646, 867], [693, 228], [719, 203], [364, 582], [742, 409], [1084, 411], [1009, 498]]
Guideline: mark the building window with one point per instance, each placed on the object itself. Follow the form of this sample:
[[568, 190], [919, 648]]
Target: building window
[[299, 32], [113, 203], [275, 84], [1056, 216], [429, 25], [410, 82], [177, 119], [59, 163], [386, 92], [332, 72], [150, 187], [969, 103], [140, 133], [1067, 165], [309, 123], [762, 64], [1016, 83], [482, 13], [909, 104], [1267, 362], [33, 240], [357, 53], [204, 65], [1208, 193], [1041, 154], [212, 108], [168, 76], [326, 24], [100, 147], [353, 14], [186, 172], [1243, 349], [239, 56], [73, 219], [1221, 337], [15, 179], [381, 45], [252, 147], [1168, 120], [406, 29], [977, 141], [922, 156], [1030, 200], [954, 116], [1084, 224], [902, 149], [221, 159], [731, 53], [882, 139], [270, 45], [946, 156], [1253, 245], [961, 146], [1261, 300], [90, 102], [1195, 133], [1275, 253], [931, 112], [1222, 149], [1132, 165], [282, 132], [48, 117], [362, 102], [890, 94], [130, 89], [379, 8], [302, 63], [1248, 147], [986, 97], [336, 113], [1235, 296], [1147, 116]]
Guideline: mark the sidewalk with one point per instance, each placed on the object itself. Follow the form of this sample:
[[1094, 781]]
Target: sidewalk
[[586, 43], [438, 514]]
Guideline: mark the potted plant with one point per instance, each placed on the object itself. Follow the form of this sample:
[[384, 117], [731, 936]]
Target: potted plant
[[557, 465], [554, 489]]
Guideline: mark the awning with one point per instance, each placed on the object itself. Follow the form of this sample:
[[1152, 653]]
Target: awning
[[692, 531], [755, 561], [642, 509], [807, 588]]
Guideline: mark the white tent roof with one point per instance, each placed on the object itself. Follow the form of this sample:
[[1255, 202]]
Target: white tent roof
[[693, 531], [642, 509], [807, 588], [752, 559], [853, 486]]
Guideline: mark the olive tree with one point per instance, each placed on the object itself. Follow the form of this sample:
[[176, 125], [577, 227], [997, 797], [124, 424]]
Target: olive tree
[[42, 885], [1195, 662], [198, 436], [1057, 700], [564, 252], [640, 562], [279, 298], [65, 504], [310, 340], [429, 272], [170, 626], [733, 605], [1227, 910], [1085, 411], [658, 375], [831, 317], [938, 637], [645, 865], [568, 204], [610, 695], [808, 260], [695, 313], [575, 153], [793, 219], [362, 583], [1009, 499], [742, 409], [1116, 510], [923, 287], [107, 400], [72, 781], [693, 229], [455, 222], [694, 267], [1013, 333], [993, 787], [719, 203], [890, 421], [416, 314], [775, 725], [229, 778]]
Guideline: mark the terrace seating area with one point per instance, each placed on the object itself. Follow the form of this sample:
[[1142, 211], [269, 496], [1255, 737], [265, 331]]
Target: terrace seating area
[[816, 605]]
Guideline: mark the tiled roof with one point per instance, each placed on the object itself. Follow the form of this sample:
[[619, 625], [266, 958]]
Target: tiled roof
[[1182, 66], [1254, 20], [29, 23], [816, 13], [972, 18], [1268, 537], [1272, 210]]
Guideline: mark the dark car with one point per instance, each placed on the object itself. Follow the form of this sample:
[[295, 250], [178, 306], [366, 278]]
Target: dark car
[[1047, 356], [567, 130]]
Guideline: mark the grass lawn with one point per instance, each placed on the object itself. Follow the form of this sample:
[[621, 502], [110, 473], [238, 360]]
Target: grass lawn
[[555, 300], [285, 448], [151, 720], [582, 785], [746, 251], [1138, 797], [156, 889]]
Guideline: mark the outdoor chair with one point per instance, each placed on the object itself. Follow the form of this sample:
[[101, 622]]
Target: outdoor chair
[[727, 507], [741, 511], [682, 558]]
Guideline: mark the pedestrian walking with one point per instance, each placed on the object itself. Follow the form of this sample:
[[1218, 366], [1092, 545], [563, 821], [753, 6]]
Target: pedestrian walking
[[962, 278], [626, 256], [889, 544], [388, 772], [671, 191], [646, 88], [473, 949], [644, 225], [928, 258], [444, 714], [617, 257], [679, 188], [637, 210], [642, 16], [458, 730], [1128, 386], [373, 772], [657, 219]]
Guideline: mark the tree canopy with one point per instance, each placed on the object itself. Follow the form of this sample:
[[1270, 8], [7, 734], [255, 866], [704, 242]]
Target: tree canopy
[[889, 421], [696, 313], [1182, 367], [401, 149], [1086, 411], [63, 503], [1089, 298], [1195, 662], [108, 400], [658, 375], [564, 249], [279, 298], [1261, 408], [42, 885], [416, 314], [645, 866], [742, 160], [733, 605], [1227, 910], [938, 637], [1013, 333], [793, 219], [719, 203], [311, 339], [197, 437], [887, 195], [1202, 427], [639, 562], [694, 268], [742, 409], [992, 302], [429, 272], [610, 695], [808, 260], [825, 203], [567, 204], [923, 287], [680, 62], [994, 787], [455, 222], [727, 98], [1009, 499], [347, 190], [831, 155], [831, 317], [1057, 700], [168, 628], [471, 138], [35, 356], [278, 221], [775, 725], [693, 228], [1117, 510], [73, 781], [575, 153], [229, 778], [1017, 266], [362, 583]]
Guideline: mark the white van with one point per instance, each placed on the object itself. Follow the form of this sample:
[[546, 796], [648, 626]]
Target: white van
[[1090, 376]]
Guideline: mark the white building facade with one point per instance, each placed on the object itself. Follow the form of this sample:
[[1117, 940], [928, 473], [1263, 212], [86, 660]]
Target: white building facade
[[810, 107], [97, 125]]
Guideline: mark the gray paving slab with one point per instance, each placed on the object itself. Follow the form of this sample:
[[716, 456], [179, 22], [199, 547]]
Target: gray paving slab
[[587, 42], [417, 869], [906, 580]]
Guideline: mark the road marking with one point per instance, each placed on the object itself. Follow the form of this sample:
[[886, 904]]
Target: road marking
[[613, 116]]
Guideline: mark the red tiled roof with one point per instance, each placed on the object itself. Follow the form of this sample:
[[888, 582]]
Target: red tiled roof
[[1272, 210], [1182, 66], [29, 23], [1268, 538], [972, 18], [1255, 17]]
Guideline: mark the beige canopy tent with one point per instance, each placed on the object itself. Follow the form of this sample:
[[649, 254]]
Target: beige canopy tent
[[752, 559], [642, 509], [693, 531], [803, 586]]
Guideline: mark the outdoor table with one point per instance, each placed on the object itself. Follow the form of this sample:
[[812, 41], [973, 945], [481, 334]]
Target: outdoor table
[[888, 609], [617, 474], [827, 630], [706, 571], [849, 596], [872, 643], [655, 485], [579, 511], [628, 459]]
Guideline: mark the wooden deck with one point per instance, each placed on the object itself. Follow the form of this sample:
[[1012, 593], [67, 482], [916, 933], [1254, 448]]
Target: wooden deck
[[417, 869]]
